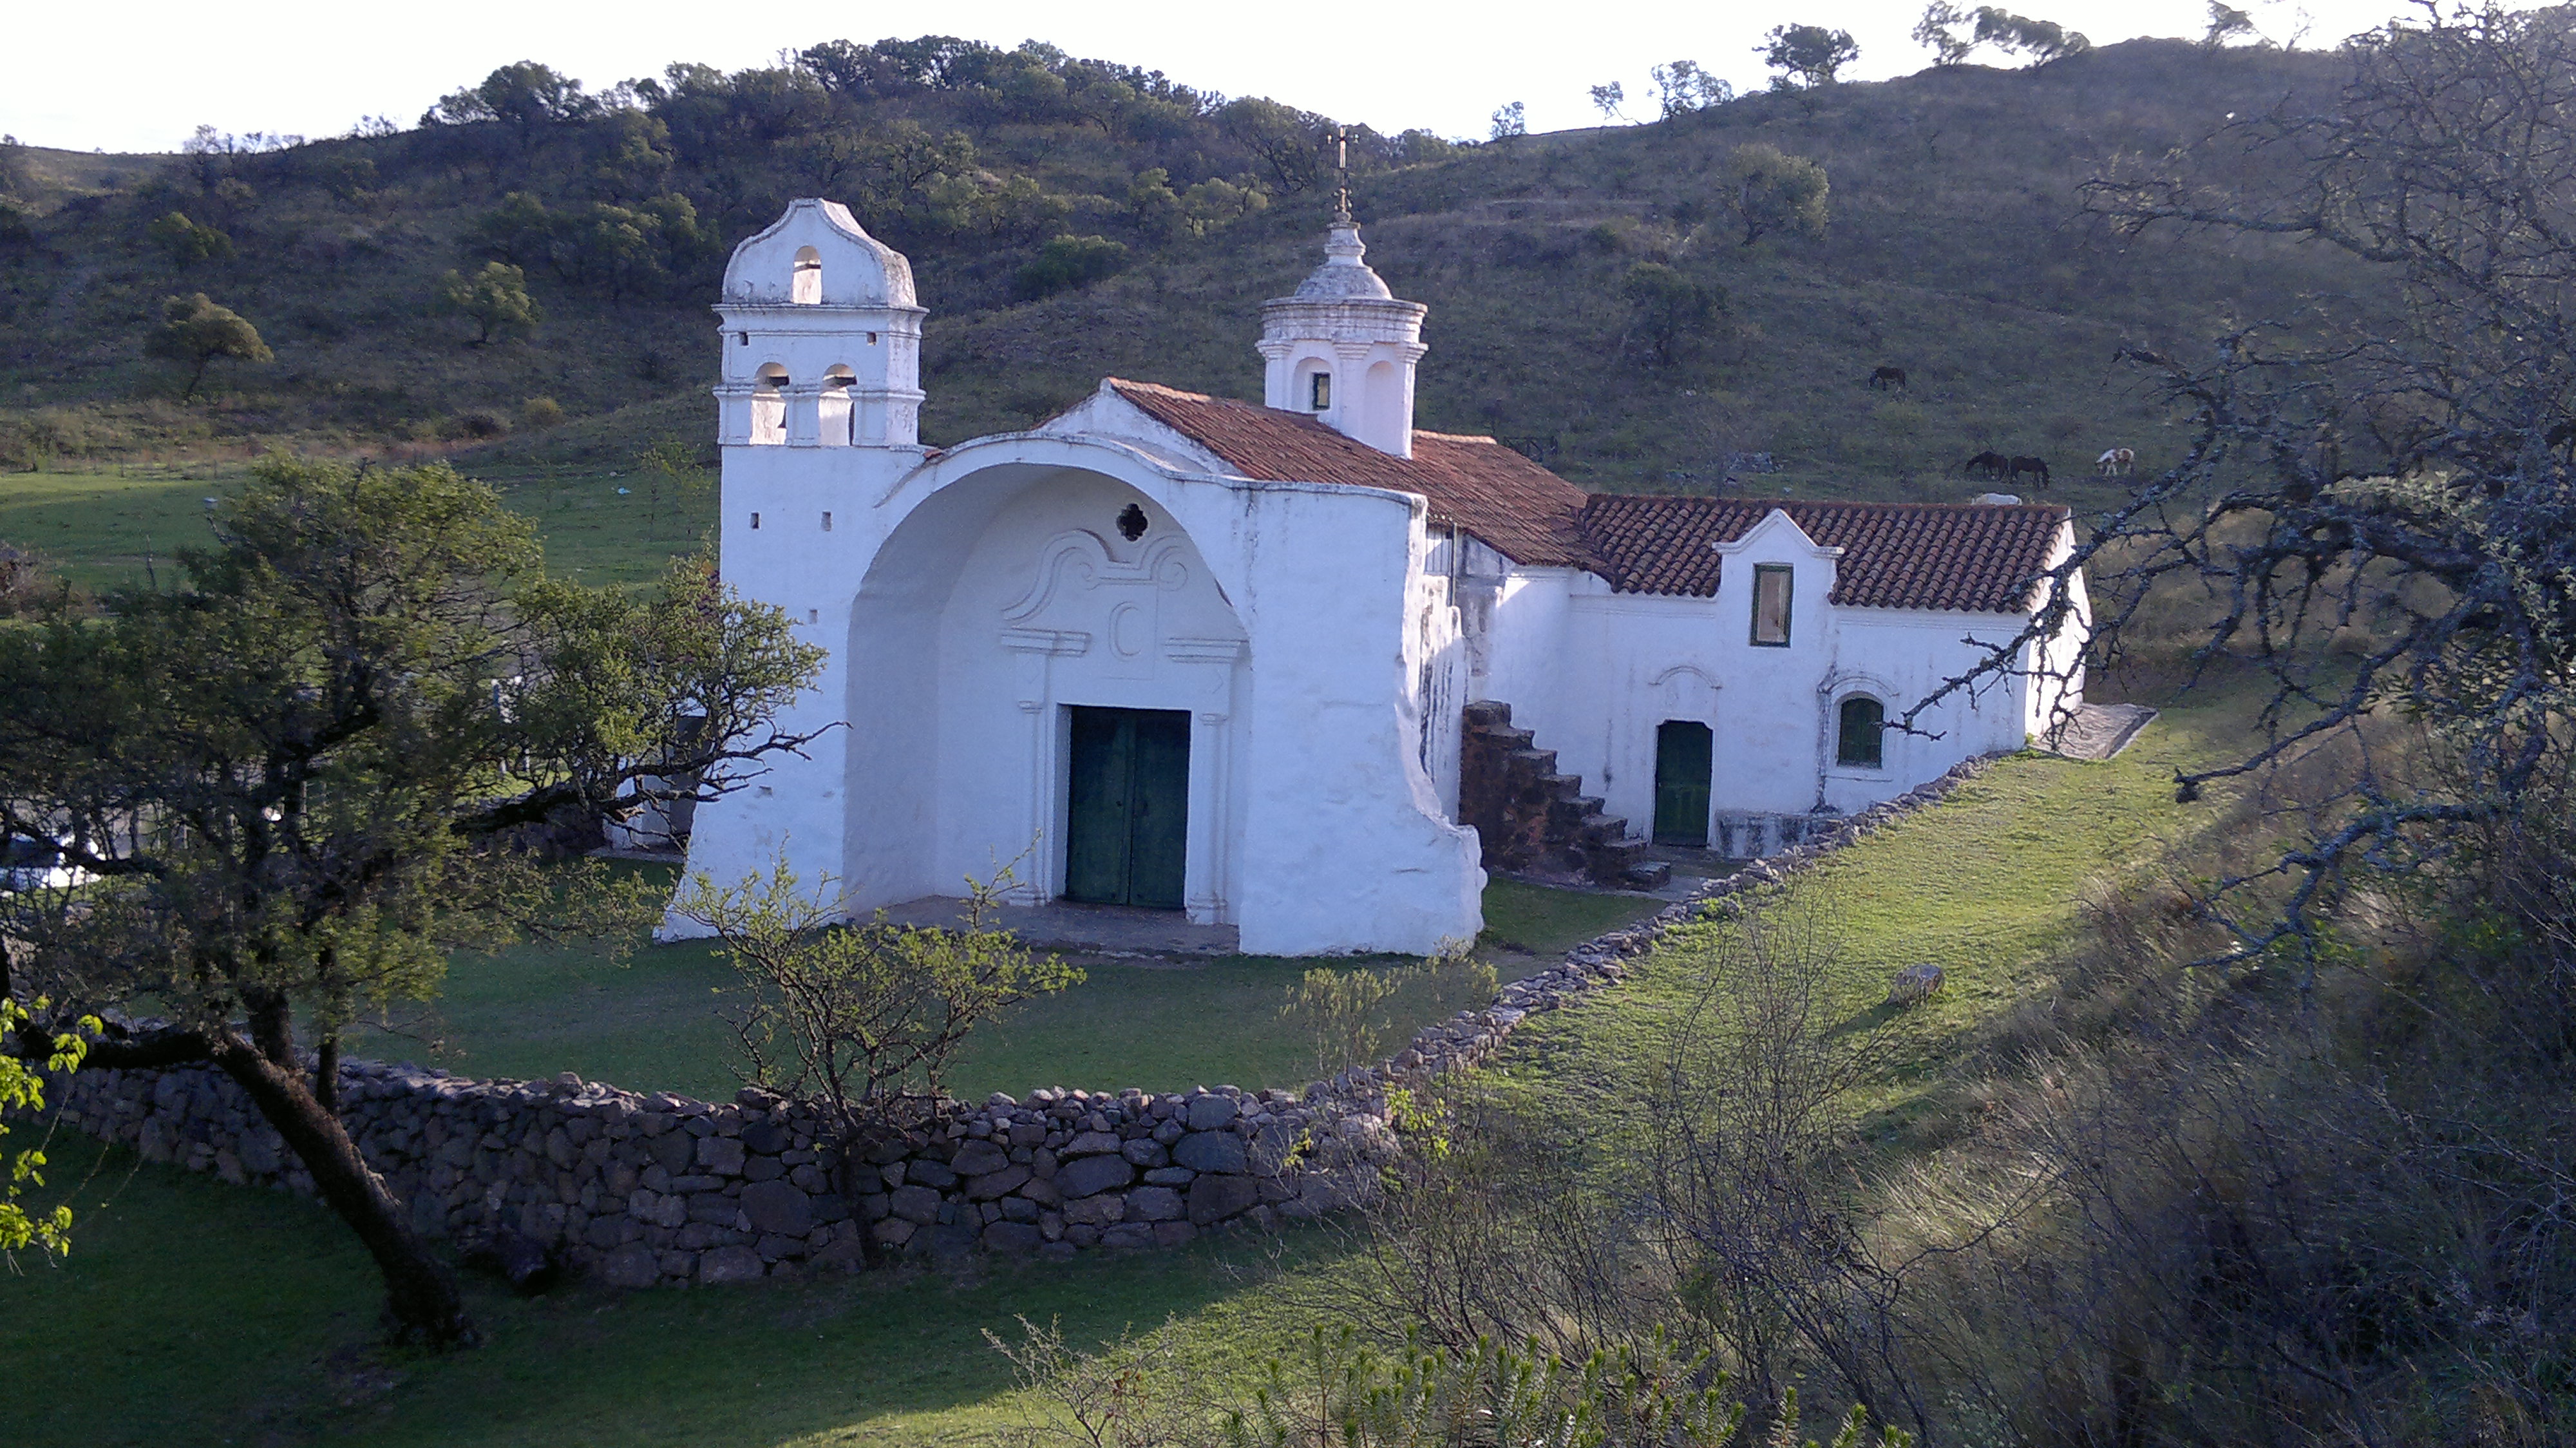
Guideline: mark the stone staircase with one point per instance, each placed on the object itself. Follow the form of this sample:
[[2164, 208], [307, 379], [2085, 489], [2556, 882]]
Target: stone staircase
[[1536, 822]]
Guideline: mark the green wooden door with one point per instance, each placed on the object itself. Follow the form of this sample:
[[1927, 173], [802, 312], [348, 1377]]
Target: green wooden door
[[1127, 821], [1683, 755]]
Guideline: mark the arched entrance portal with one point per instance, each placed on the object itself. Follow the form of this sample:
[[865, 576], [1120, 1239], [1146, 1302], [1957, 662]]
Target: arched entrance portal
[[1045, 675]]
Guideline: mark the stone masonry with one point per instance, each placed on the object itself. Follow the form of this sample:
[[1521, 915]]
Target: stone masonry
[[647, 1189]]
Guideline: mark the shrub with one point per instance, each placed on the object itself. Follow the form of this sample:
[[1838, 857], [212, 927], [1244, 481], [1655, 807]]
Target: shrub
[[186, 242], [1069, 262], [541, 412], [481, 422]]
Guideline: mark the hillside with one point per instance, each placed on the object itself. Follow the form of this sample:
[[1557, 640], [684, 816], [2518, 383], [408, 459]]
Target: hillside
[[1955, 250]]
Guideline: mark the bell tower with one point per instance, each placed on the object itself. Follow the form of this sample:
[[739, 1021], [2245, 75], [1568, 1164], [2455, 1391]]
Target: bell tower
[[1342, 349], [822, 337]]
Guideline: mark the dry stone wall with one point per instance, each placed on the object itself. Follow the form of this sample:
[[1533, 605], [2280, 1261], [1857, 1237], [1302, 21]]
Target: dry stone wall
[[647, 1189]]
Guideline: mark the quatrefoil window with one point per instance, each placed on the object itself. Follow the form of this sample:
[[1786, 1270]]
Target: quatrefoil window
[[1131, 523]]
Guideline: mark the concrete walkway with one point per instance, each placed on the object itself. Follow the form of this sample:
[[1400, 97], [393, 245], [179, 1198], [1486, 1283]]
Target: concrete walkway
[[1094, 929]]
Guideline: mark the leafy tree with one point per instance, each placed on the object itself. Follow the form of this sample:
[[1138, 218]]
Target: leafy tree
[[1940, 31], [674, 468], [195, 332], [1288, 143], [863, 1015], [495, 298], [1156, 207], [1418, 147], [1807, 57], [1668, 311], [1768, 190], [22, 1090], [326, 758], [849, 70], [2042, 40], [1170, 215], [617, 250], [1511, 120], [1607, 99], [524, 96], [1069, 262], [2226, 23], [1682, 87], [629, 154], [186, 242]]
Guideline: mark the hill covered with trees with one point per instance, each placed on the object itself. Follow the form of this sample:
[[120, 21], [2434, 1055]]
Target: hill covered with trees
[[526, 270]]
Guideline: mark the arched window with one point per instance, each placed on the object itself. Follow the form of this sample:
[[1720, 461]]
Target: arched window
[[806, 289], [769, 406], [1858, 742]]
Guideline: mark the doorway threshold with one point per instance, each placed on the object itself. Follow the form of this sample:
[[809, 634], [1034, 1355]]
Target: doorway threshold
[[1065, 925]]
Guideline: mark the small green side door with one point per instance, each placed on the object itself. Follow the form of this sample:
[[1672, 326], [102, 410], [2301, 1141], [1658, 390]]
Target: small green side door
[[1127, 820], [1683, 758]]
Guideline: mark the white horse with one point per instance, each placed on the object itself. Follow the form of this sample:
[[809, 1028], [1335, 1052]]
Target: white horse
[[2116, 462]]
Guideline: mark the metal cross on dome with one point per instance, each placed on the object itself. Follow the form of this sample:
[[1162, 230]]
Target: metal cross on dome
[[1341, 173]]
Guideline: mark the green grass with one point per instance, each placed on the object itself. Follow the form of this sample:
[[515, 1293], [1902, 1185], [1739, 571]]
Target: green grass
[[192, 1312], [1988, 886], [195, 1312], [105, 529], [654, 1023]]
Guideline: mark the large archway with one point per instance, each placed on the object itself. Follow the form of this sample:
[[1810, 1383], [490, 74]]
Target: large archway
[[1012, 610]]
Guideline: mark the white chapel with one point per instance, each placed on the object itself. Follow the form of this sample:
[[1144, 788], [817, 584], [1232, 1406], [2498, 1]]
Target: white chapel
[[1299, 667]]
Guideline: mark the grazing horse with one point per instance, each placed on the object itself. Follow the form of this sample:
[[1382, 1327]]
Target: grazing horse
[[2117, 462], [2038, 466], [1988, 465], [1888, 379]]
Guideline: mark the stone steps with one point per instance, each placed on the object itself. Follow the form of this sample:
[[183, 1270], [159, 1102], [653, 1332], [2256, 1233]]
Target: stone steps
[[1533, 819]]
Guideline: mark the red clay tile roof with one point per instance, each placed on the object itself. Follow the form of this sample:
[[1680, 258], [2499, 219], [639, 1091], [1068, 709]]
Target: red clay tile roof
[[1522, 510], [1895, 555], [1971, 557]]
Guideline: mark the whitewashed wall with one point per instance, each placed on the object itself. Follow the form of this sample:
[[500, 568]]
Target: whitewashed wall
[[1593, 672]]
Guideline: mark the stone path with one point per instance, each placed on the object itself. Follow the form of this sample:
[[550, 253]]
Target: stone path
[[2100, 731], [1102, 929]]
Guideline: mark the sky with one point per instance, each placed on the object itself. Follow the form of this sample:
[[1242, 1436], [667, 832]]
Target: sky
[[147, 74]]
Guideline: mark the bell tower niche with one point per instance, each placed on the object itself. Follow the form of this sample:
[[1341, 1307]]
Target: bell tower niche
[[821, 337]]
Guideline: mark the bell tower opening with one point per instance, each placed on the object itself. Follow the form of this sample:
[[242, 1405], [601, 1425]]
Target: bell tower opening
[[805, 289]]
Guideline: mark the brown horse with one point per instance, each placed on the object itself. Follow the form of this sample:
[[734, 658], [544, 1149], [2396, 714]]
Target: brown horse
[[2037, 467], [1987, 465], [1888, 379]]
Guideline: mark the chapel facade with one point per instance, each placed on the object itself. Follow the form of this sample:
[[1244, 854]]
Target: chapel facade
[[1252, 662]]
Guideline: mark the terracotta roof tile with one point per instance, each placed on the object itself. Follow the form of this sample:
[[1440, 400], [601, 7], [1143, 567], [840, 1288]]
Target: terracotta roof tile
[[1972, 557], [1895, 555], [1522, 510]]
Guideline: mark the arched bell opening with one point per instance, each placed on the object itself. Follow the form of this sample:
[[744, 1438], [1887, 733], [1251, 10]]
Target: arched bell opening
[[836, 408], [769, 406]]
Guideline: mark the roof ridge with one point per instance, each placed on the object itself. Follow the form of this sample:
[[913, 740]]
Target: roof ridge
[[1165, 389], [1483, 437], [1744, 502]]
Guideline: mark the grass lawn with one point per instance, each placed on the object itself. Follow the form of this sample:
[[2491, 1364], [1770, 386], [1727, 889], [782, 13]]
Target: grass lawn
[[197, 1313], [103, 529], [654, 1023], [1988, 886]]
